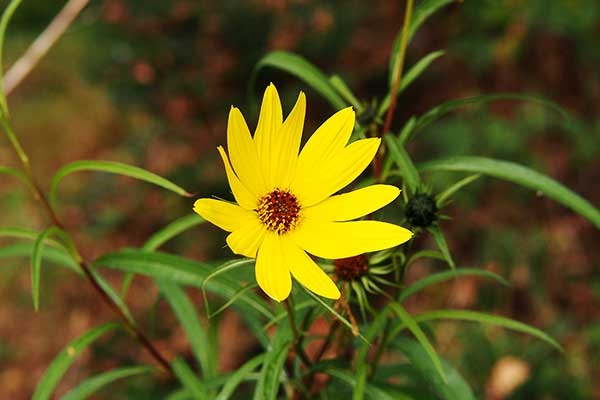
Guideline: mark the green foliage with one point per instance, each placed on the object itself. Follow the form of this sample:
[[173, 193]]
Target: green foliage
[[520, 175], [64, 359], [91, 385], [357, 363], [113, 168]]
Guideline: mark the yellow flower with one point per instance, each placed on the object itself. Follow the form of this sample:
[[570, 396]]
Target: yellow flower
[[285, 199]]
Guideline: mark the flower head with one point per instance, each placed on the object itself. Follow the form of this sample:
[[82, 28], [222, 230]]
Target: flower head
[[286, 205]]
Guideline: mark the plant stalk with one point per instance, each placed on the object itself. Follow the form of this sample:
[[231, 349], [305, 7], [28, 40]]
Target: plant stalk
[[289, 307], [378, 163]]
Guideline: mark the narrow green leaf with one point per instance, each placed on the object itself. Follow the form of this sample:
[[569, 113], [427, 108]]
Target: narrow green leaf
[[423, 11], [413, 73], [444, 197], [91, 385], [173, 229], [416, 330], [360, 361], [25, 233], [238, 377], [36, 264], [440, 240], [339, 316], [455, 389], [55, 255], [520, 175], [188, 317], [110, 291], [14, 172], [272, 369], [434, 254], [405, 165], [65, 358], [113, 168], [372, 392], [484, 318], [338, 84], [221, 269], [438, 277], [161, 237], [186, 272], [188, 379], [302, 69], [451, 105], [6, 16]]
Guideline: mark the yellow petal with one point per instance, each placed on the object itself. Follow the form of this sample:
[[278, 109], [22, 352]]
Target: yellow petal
[[243, 153], [307, 272], [226, 216], [352, 205], [346, 239], [247, 239], [328, 140], [269, 124], [285, 145], [313, 186], [272, 273], [242, 195]]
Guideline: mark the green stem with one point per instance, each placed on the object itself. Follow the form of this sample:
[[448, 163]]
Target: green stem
[[396, 85], [289, 307]]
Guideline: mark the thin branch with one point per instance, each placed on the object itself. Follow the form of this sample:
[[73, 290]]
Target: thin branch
[[24, 65]]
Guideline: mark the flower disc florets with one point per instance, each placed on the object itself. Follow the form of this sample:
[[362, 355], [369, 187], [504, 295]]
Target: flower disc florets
[[278, 211], [348, 269]]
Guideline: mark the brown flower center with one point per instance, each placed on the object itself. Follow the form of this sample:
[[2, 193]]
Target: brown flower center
[[278, 210], [348, 269]]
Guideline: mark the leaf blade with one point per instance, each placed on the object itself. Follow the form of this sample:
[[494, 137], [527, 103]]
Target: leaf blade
[[113, 167], [65, 358], [445, 275], [298, 66], [91, 385], [416, 330], [520, 175]]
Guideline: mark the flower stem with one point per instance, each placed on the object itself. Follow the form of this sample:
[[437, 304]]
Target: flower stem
[[289, 307], [397, 73]]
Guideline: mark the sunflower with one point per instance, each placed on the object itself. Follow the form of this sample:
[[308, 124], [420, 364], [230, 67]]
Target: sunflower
[[286, 205]]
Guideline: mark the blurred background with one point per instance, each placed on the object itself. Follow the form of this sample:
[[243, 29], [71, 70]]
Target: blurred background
[[150, 83]]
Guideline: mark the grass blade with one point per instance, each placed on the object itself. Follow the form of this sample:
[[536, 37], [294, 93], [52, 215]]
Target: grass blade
[[520, 175], [65, 358]]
